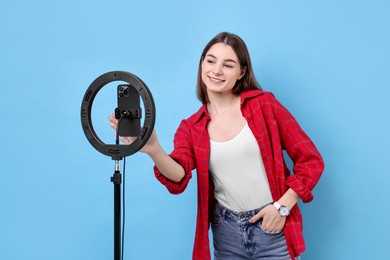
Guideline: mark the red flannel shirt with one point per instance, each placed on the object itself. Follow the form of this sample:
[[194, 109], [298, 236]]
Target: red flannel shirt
[[275, 130]]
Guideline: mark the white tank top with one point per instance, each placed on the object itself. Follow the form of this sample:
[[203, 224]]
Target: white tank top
[[238, 172]]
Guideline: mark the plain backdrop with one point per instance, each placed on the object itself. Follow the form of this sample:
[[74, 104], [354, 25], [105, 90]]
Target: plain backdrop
[[326, 61]]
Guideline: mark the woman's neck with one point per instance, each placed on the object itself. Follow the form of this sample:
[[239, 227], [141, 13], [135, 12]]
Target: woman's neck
[[221, 104]]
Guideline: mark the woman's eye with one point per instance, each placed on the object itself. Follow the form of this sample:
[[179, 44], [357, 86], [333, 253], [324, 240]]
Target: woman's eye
[[229, 66], [210, 61]]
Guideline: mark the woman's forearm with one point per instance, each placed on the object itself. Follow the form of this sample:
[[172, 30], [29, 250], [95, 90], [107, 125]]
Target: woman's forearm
[[289, 199], [166, 165]]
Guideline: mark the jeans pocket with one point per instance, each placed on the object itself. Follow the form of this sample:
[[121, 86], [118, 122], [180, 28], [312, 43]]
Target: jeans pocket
[[266, 232]]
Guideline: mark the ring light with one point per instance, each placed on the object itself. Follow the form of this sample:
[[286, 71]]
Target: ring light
[[117, 151]]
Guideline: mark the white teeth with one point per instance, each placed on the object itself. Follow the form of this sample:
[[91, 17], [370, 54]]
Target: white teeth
[[215, 80]]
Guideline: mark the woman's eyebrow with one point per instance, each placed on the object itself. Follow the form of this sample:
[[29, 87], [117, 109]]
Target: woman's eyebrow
[[227, 60]]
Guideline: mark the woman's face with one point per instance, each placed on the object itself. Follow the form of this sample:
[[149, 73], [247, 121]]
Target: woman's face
[[221, 69]]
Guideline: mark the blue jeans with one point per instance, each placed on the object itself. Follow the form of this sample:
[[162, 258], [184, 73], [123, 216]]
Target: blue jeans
[[235, 238]]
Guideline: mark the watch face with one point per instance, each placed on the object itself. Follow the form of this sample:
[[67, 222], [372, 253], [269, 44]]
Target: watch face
[[284, 211]]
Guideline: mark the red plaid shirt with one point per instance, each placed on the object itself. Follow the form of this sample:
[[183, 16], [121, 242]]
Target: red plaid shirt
[[275, 130]]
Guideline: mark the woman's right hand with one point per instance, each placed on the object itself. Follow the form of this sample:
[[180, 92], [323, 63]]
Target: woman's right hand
[[150, 145], [167, 166]]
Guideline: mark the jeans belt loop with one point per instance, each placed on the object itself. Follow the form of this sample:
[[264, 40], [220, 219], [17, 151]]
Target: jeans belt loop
[[223, 213]]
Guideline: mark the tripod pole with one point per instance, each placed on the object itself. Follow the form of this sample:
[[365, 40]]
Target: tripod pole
[[117, 180]]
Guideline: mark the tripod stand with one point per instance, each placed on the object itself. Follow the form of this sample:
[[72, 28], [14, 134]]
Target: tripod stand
[[116, 179]]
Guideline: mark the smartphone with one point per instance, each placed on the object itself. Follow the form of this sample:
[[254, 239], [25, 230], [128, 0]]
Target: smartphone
[[129, 110]]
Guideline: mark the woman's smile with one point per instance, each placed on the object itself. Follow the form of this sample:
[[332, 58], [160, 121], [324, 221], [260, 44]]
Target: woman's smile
[[215, 80]]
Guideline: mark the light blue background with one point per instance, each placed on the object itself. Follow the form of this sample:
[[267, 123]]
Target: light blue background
[[326, 61]]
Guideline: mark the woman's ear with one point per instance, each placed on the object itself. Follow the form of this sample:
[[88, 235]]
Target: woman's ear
[[243, 70]]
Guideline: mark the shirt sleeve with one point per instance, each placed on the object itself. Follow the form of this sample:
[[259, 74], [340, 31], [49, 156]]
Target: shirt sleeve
[[182, 154], [308, 163]]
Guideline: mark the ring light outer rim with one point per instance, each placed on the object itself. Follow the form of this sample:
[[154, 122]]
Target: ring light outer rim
[[115, 151]]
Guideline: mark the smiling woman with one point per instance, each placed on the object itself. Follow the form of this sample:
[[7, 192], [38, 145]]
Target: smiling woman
[[235, 143], [326, 61]]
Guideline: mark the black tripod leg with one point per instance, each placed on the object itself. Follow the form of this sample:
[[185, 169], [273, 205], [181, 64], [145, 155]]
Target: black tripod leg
[[117, 180]]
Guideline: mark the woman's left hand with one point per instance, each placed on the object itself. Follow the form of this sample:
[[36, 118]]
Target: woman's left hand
[[272, 222]]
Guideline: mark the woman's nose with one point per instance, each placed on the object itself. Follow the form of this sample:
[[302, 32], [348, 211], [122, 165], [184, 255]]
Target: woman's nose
[[217, 70]]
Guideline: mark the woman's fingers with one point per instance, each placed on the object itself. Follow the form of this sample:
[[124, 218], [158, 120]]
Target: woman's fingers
[[113, 122], [271, 222]]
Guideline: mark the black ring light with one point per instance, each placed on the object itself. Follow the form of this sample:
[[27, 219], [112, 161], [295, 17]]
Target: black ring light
[[116, 151]]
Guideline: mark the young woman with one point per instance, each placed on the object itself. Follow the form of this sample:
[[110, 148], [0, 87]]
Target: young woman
[[235, 141]]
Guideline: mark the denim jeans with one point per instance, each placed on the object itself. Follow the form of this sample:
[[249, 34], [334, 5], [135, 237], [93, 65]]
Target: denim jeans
[[235, 238]]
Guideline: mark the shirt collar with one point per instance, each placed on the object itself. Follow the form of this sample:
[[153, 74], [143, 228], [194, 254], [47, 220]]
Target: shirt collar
[[250, 94], [202, 113]]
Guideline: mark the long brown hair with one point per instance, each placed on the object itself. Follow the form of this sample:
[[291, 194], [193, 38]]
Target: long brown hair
[[239, 47]]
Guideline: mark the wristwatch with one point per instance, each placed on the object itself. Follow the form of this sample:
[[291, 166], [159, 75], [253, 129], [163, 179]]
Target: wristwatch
[[284, 211]]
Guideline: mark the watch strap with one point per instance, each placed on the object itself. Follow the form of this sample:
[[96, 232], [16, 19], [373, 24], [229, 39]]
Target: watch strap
[[284, 211], [277, 205]]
